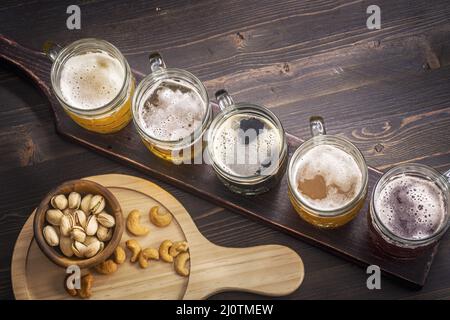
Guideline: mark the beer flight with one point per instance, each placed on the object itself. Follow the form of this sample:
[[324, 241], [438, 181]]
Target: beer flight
[[246, 146]]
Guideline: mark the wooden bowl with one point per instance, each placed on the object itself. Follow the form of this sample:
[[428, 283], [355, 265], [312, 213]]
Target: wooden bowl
[[83, 187]]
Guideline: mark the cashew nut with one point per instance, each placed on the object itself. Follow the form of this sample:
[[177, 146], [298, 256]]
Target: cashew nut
[[178, 247], [135, 249], [119, 255], [164, 251], [133, 224], [160, 219], [86, 286], [145, 255], [180, 264], [72, 292], [106, 267]]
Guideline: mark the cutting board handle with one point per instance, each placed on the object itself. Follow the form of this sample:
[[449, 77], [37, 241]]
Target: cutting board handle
[[271, 270]]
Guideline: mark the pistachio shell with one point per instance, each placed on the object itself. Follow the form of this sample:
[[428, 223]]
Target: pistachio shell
[[51, 236], [78, 234], [80, 218], [97, 204], [74, 200], [78, 249], [59, 202], [92, 249], [85, 203], [53, 216], [106, 220], [68, 211], [103, 233], [89, 240], [91, 225], [65, 244], [58, 231], [66, 225]]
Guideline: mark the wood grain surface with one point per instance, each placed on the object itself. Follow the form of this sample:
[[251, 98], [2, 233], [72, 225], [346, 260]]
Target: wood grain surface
[[386, 90]]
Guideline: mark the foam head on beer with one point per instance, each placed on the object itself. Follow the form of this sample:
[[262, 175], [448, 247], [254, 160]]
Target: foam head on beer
[[172, 111], [411, 207], [247, 145], [328, 178], [91, 80]]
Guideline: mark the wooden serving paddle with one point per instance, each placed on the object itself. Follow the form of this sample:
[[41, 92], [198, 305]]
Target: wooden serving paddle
[[271, 270], [272, 208]]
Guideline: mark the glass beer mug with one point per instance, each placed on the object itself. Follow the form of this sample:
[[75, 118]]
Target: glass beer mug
[[93, 83], [327, 178], [171, 112], [409, 210], [246, 146]]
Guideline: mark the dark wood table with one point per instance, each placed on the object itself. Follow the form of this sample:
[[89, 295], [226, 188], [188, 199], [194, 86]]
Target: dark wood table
[[386, 90]]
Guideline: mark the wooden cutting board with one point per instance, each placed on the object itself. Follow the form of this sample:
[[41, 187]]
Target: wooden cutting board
[[272, 208], [271, 270]]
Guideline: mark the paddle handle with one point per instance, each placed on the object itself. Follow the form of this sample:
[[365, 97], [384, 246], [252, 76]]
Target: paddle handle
[[271, 270], [34, 63]]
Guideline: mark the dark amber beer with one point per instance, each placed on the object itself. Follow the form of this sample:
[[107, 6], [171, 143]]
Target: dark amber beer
[[409, 210]]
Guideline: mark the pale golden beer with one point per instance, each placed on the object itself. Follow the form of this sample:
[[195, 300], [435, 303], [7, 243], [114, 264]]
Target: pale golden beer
[[94, 84], [327, 180]]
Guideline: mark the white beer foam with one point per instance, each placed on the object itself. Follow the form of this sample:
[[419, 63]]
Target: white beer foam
[[411, 207], [177, 114], [244, 160], [339, 170], [91, 80]]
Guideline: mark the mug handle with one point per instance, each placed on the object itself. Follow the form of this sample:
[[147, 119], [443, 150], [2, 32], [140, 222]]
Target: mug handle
[[317, 126], [447, 176], [224, 99], [51, 49], [156, 61]]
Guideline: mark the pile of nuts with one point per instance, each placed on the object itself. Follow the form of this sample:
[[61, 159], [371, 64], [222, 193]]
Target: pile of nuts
[[78, 225], [176, 252], [171, 252]]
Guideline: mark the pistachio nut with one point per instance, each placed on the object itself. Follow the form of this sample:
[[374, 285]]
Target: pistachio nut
[[78, 249], [92, 249], [85, 203], [80, 218], [59, 202], [74, 200], [58, 231], [65, 244], [54, 216], [90, 239], [103, 233], [97, 204], [70, 212], [91, 225], [51, 236], [78, 234], [66, 225], [106, 220]]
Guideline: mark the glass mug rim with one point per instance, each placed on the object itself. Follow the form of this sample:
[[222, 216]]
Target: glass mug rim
[[237, 108], [423, 171], [167, 73], [58, 60], [325, 139]]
